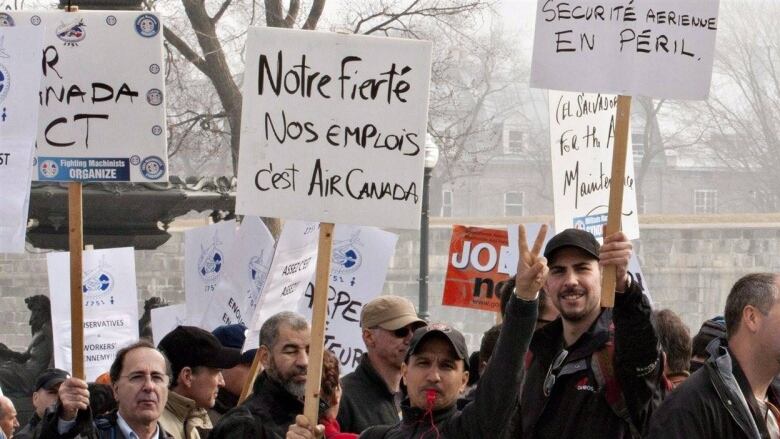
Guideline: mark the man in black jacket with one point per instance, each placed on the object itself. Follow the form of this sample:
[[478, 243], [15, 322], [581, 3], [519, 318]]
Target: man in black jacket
[[278, 392], [43, 397], [593, 372], [732, 395]]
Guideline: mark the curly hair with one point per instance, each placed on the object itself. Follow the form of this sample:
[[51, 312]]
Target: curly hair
[[330, 374]]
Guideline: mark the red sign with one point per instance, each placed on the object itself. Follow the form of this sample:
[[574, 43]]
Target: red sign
[[477, 263]]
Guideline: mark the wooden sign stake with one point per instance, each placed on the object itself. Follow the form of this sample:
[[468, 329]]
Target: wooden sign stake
[[250, 380], [76, 246], [617, 181]]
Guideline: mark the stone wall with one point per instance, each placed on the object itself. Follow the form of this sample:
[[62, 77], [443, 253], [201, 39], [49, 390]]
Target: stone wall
[[688, 268]]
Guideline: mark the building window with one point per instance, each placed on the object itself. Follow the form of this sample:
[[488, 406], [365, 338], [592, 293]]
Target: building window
[[515, 141], [514, 203], [638, 144], [446, 203], [705, 201]]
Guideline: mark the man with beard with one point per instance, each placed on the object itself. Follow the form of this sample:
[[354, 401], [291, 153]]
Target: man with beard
[[279, 391], [593, 372]]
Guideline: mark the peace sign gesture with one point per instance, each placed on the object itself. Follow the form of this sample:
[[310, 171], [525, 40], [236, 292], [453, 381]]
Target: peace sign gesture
[[531, 268]]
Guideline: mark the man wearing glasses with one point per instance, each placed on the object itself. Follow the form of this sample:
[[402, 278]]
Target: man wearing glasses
[[139, 377], [593, 372], [370, 392]]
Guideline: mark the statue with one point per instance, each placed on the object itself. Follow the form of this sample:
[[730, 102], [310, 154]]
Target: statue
[[19, 370], [145, 322]]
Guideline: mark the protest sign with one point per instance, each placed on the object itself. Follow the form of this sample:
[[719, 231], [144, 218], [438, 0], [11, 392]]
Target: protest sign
[[333, 128], [165, 319], [359, 262], [582, 137], [102, 112], [207, 253], [658, 48], [15, 174], [236, 294], [110, 307], [20, 77]]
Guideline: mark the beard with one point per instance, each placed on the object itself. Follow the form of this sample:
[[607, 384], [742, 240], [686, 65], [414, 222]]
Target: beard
[[298, 390], [573, 315]]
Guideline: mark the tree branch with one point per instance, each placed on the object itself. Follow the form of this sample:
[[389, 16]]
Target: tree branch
[[221, 11], [184, 49]]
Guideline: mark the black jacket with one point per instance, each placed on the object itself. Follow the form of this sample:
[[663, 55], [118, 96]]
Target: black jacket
[[576, 406], [28, 431], [366, 401], [485, 417], [715, 402], [267, 414], [101, 427]]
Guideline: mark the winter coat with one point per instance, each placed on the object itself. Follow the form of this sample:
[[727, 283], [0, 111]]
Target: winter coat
[[365, 400]]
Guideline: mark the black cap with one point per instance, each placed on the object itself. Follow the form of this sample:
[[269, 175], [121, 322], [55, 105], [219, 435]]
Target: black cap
[[452, 335], [580, 239], [49, 379], [188, 346], [233, 336]]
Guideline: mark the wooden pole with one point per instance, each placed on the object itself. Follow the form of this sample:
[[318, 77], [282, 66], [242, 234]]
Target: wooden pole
[[250, 381], [616, 184], [314, 376], [76, 245]]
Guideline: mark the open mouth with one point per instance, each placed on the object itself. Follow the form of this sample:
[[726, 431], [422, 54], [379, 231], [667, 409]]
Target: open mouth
[[572, 296]]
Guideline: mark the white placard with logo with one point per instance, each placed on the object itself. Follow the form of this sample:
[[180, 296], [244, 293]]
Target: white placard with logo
[[582, 127], [15, 175], [20, 77], [165, 319], [359, 262], [207, 255], [658, 48], [237, 293], [333, 127], [110, 307], [102, 106]]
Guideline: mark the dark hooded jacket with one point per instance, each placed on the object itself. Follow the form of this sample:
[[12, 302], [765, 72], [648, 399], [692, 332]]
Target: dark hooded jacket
[[715, 402], [366, 401]]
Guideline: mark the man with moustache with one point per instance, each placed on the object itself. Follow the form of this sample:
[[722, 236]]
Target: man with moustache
[[139, 379], [279, 391], [593, 372]]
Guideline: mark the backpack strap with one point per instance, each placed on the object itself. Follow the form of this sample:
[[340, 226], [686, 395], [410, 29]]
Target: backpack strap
[[602, 365]]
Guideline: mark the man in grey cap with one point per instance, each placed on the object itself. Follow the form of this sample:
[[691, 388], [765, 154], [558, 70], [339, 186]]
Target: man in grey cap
[[370, 392]]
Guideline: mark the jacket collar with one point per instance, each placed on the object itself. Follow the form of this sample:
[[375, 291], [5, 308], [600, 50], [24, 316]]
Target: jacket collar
[[276, 396], [366, 369], [591, 340], [415, 416], [180, 406]]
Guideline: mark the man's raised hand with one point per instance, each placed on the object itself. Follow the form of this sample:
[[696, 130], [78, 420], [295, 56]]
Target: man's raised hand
[[531, 268]]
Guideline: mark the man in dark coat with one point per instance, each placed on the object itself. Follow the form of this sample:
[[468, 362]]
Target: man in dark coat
[[732, 395]]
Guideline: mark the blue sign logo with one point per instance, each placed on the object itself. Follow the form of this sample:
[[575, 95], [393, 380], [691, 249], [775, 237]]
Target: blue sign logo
[[6, 20], [147, 25], [152, 167], [97, 286], [73, 32], [210, 262], [346, 257], [48, 169], [258, 273], [83, 169]]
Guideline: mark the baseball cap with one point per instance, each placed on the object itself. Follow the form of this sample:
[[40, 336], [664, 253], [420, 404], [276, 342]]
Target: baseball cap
[[389, 312], [234, 336], [188, 346], [573, 238], [452, 335], [50, 378]]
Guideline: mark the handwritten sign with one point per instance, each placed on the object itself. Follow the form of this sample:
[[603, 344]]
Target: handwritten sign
[[359, 262], [165, 319], [110, 307], [658, 48], [207, 256], [101, 101], [333, 128], [582, 134], [20, 75], [15, 176], [238, 292]]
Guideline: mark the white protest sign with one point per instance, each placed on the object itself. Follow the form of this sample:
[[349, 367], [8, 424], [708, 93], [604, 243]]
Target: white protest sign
[[207, 252], [102, 112], [359, 262], [582, 127], [658, 48], [293, 266], [165, 319], [20, 77], [333, 128], [110, 307], [511, 255], [236, 294], [15, 175]]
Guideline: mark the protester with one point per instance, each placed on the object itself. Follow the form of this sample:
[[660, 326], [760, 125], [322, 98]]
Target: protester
[[8, 422], [371, 393], [330, 392], [140, 376], [44, 396], [675, 340], [435, 371], [280, 389], [593, 372], [731, 395], [232, 336], [197, 359], [710, 330]]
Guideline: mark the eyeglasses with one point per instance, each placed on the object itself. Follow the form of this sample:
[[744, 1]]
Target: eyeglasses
[[398, 333], [139, 379], [553, 371]]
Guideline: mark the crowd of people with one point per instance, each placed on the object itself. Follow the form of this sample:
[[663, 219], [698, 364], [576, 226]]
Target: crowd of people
[[558, 366]]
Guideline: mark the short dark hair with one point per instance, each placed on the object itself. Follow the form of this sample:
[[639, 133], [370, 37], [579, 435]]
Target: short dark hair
[[488, 344], [675, 340], [116, 367], [269, 332], [755, 289]]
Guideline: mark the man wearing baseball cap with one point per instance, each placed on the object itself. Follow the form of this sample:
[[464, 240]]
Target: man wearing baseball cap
[[44, 396], [370, 392], [197, 359], [232, 336]]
